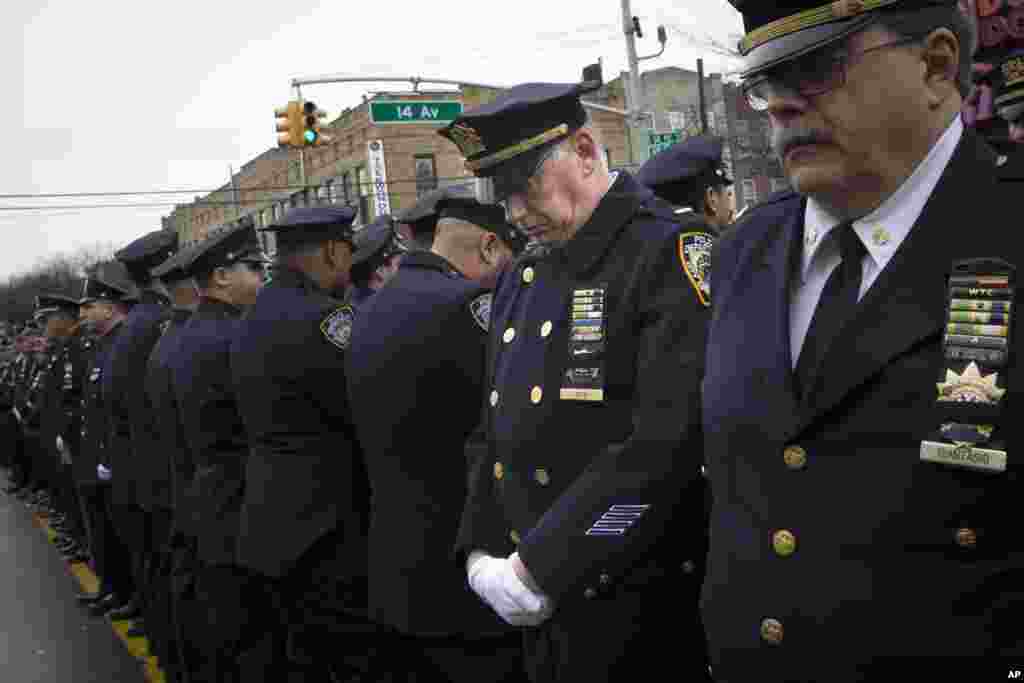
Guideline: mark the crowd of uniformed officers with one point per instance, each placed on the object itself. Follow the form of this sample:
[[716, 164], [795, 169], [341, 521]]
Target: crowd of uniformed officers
[[487, 452]]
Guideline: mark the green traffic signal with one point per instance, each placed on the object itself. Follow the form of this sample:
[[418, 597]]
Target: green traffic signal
[[310, 136]]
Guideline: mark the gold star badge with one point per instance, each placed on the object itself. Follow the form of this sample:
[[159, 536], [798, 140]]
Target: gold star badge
[[970, 387]]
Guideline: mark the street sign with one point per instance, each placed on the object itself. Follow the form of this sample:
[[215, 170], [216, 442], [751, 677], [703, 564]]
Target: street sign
[[378, 174], [657, 142], [414, 111]]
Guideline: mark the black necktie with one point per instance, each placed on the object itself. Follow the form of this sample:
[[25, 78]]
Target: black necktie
[[837, 303]]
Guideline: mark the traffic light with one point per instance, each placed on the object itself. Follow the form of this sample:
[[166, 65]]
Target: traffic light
[[311, 135], [289, 125]]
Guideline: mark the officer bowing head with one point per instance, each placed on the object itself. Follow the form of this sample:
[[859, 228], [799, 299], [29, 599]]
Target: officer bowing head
[[546, 161], [856, 92], [378, 251], [420, 220], [228, 265], [104, 297], [317, 242], [690, 176], [476, 238], [145, 254], [57, 313]]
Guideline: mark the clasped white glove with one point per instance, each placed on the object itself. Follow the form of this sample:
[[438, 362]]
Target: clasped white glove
[[104, 473], [62, 449], [497, 584]]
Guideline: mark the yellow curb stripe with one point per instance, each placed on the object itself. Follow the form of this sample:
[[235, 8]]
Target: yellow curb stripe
[[90, 583]]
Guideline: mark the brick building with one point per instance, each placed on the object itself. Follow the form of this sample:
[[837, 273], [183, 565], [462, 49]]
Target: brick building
[[412, 158]]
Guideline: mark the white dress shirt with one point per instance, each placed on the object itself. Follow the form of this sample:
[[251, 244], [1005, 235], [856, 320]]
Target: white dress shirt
[[882, 231]]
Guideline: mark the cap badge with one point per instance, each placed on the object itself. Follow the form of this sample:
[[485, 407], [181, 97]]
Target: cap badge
[[1013, 70], [466, 139]]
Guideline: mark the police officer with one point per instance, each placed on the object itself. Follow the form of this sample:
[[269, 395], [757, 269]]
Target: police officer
[[228, 269], [690, 176], [102, 313], [595, 358], [59, 314], [423, 338], [304, 516], [173, 470], [863, 436], [124, 391], [378, 251], [28, 405]]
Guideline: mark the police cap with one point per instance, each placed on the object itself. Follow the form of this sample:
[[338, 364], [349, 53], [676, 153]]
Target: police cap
[[224, 247], [780, 30], [377, 242], [110, 281], [314, 224], [506, 139], [489, 217], [173, 269], [48, 304], [422, 216], [147, 253], [674, 173]]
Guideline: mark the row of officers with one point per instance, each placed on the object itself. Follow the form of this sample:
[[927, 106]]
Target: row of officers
[[594, 457]]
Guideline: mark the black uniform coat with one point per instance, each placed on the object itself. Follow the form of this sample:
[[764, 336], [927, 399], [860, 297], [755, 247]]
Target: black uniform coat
[[124, 391], [305, 478], [556, 467], [52, 413], [876, 571], [415, 374], [94, 426], [171, 454], [213, 428]]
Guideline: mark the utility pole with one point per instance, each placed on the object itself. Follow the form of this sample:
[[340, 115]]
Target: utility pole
[[700, 91], [634, 105]]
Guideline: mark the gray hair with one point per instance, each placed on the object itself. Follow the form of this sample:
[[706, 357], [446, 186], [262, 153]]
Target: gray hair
[[921, 22]]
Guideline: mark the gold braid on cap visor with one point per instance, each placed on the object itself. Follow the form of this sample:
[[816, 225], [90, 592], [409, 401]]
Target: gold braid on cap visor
[[518, 148], [834, 11]]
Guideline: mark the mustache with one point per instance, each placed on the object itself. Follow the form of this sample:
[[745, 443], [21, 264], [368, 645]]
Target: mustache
[[785, 139]]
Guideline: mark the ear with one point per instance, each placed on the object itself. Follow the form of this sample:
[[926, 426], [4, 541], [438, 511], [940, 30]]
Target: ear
[[587, 150], [487, 240], [942, 64]]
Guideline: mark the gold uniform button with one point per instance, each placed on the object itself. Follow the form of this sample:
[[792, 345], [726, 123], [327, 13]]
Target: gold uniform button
[[509, 335], [536, 394], [527, 274], [590, 593], [514, 535], [689, 567], [784, 542], [967, 538], [605, 579], [542, 477], [795, 457], [499, 470], [494, 398], [545, 329], [771, 631]]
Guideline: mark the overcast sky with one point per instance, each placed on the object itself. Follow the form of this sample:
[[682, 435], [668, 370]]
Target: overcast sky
[[116, 96]]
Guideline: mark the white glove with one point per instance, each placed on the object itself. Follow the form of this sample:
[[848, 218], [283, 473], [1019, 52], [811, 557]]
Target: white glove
[[495, 581], [65, 455], [104, 473]]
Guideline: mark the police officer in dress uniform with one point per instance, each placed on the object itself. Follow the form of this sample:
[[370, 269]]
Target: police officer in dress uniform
[[124, 393], [690, 176], [28, 405], [419, 221], [59, 315], [587, 515], [102, 313], [303, 521], [230, 601], [415, 368], [860, 363], [171, 458], [378, 251]]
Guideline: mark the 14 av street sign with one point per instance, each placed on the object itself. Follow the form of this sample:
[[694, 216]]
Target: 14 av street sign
[[414, 111]]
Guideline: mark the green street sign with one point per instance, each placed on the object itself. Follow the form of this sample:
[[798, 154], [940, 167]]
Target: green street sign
[[657, 142], [414, 111]]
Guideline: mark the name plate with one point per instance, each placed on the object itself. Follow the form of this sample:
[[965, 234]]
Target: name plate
[[964, 455]]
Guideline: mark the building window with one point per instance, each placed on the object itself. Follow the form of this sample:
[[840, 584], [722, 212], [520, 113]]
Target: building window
[[426, 174], [749, 192], [363, 190]]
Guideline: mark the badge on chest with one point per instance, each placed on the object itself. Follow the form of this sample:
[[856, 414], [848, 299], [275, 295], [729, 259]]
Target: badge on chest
[[973, 384], [584, 374]]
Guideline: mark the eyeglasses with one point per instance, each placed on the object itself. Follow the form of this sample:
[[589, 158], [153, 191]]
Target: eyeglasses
[[809, 76]]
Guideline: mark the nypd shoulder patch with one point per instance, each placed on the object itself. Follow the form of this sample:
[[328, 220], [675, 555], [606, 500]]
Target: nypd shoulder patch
[[480, 307], [337, 327], [695, 257]]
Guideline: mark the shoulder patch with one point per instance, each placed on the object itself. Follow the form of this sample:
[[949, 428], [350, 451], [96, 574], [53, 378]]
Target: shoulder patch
[[480, 307], [337, 326], [695, 257]]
